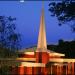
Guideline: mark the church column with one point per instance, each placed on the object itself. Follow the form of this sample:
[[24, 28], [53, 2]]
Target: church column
[[72, 68], [57, 70], [29, 71], [69, 67], [45, 71], [51, 70], [66, 69], [60, 69], [21, 70]]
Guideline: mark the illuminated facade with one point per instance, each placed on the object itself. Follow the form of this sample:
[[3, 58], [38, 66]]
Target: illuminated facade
[[34, 62]]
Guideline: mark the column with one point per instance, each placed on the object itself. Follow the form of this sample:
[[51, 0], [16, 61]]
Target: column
[[29, 71], [25, 70], [44, 71], [72, 68], [34, 70], [58, 70], [51, 70], [66, 70], [69, 67], [21, 70]]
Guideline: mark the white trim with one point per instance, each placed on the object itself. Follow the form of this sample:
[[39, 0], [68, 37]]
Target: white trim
[[61, 60], [29, 64], [56, 60], [56, 54], [26, 59], [52, 53], [29, 53]]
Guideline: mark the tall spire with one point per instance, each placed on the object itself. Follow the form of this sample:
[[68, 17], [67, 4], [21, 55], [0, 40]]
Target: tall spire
[[42, 45]]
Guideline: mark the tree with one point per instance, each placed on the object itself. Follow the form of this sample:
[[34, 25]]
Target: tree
[[64, 11], [65, 47], [9, 38]]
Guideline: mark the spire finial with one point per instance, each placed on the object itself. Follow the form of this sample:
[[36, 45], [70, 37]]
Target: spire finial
[[42, 4]]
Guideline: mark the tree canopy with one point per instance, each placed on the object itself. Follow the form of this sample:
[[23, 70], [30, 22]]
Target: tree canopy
[[64, 11], [9, 38]]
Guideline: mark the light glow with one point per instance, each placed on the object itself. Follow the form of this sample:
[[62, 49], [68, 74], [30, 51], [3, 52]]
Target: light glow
[[30, 64], [26, 59], [29, 53], [61, 60], [22, 1]]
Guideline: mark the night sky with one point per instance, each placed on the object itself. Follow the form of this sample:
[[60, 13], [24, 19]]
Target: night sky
[[28, 21]]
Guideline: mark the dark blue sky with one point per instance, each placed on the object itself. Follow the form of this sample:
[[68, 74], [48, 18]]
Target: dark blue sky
[[28, 20]]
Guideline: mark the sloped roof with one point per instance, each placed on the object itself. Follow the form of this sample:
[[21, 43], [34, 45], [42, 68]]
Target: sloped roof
[[52, 53], [30, 51]]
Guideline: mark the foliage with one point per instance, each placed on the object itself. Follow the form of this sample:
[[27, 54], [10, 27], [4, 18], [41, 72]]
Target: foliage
[[9, 38], [5, 70], [64, 11], [66, 47]]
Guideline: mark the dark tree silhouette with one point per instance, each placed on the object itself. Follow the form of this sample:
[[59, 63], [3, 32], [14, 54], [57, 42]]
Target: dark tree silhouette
[[9, 38], [65, 47], [64, 11]]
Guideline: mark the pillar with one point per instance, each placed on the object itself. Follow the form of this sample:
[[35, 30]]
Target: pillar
[[34, 70], [69, 67], [29, 71], [44, 71], [51, 70], [57, 70], [60, 69], [21, 70], [72, 68], [66, 70]]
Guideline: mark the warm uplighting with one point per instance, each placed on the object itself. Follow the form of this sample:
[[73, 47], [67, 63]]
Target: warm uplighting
[[56, 60], [61, 60], [26, 59], [30, 64], [29, 53]]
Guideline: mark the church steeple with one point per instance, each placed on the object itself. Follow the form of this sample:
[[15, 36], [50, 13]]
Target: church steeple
[[42, 45]]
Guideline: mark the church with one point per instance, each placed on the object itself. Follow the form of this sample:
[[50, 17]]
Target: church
[[35, 62]]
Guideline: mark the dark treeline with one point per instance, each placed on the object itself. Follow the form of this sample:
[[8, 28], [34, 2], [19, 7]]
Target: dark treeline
[[66, 47]]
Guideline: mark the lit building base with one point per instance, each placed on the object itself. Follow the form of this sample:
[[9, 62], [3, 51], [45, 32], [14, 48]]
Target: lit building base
[[53, 70]]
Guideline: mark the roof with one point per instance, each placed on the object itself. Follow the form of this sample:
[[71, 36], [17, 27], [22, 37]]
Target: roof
[[30, 51], [61, 60], [52, 53]]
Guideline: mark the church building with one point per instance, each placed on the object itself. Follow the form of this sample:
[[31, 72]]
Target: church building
[[34, 62]]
